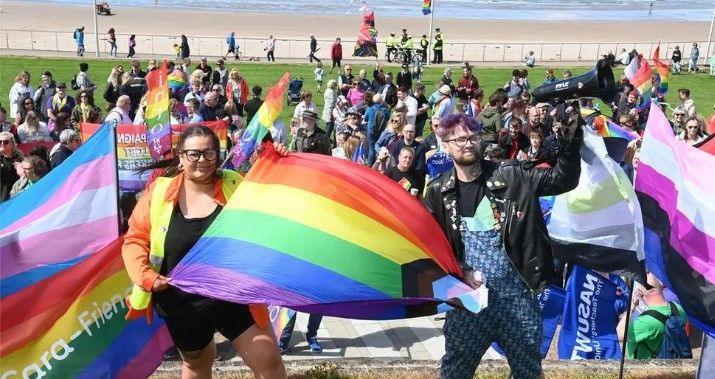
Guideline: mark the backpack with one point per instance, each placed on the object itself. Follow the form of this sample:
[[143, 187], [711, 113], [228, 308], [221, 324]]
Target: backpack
[[675, 341], [380, 122], [73, 82]]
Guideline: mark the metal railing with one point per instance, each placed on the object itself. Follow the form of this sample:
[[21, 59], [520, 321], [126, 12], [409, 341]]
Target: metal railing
[[297, 48]]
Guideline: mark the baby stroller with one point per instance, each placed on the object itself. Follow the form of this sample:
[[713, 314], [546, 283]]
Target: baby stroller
[[294, 87]]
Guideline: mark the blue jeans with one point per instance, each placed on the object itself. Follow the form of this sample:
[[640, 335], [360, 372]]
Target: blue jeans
[[313, 325]]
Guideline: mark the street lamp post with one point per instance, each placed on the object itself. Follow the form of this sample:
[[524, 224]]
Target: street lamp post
[[96, 31]]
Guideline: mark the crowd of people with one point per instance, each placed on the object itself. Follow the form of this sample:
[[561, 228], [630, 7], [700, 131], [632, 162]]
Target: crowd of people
[[453, 145]]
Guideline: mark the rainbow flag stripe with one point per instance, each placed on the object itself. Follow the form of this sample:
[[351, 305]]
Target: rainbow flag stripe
[[426, 7], [261, 122], [177, 80], [640, 76], [325, 236], [157, 113], [663, 71]]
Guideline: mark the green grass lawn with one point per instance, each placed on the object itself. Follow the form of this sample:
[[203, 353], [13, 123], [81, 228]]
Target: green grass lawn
[[701, 86]]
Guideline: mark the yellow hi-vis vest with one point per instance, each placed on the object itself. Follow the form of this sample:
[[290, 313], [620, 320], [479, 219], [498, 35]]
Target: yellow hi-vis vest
[[159, 217]]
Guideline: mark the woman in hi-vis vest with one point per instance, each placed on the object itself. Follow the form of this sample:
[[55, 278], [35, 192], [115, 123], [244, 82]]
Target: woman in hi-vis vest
[[168, 220]]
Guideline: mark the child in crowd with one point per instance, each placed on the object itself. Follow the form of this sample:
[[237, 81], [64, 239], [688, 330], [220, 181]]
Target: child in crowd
[[319, 72], [177, 49]]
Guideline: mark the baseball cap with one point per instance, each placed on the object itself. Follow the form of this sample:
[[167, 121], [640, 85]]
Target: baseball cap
[[309, 114], [445, 90]]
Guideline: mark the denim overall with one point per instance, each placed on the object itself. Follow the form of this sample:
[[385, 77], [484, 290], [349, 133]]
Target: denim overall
[[512, 318]]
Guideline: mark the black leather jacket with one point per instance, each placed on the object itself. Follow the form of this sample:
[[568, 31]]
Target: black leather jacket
[[515, 188]]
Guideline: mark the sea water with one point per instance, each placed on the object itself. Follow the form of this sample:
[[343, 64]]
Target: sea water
[[603, 10]]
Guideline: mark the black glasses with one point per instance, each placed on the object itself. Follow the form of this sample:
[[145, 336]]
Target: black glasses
[[461, 142], [194, 155], [216, 90], [28, 103], [6, 142]]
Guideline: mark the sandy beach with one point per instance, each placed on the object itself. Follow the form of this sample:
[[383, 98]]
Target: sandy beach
[[162, 21]]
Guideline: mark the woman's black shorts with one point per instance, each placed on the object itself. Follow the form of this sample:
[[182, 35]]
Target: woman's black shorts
[[192, 320]]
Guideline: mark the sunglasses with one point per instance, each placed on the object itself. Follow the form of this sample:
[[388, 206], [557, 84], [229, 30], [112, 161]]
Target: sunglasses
[[6, 142]]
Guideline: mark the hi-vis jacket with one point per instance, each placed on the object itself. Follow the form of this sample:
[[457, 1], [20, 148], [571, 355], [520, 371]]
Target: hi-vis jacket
[[143, 249]]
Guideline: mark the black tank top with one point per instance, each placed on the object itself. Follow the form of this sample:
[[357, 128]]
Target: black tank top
[[182, 235]]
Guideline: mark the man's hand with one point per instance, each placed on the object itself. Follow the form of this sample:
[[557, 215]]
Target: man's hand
[[281, 149], [474, 279], [160, 284]]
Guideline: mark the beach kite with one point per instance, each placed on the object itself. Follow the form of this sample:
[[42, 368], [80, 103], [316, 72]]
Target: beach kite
[[676, 197], [327, 236], [366, 44]]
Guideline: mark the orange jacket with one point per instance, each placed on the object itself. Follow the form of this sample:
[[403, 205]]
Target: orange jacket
[[135, 250]]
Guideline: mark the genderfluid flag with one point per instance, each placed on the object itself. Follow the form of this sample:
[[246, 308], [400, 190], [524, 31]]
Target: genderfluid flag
[[326, 236], [675, 189], [588, 326], [157, 113]]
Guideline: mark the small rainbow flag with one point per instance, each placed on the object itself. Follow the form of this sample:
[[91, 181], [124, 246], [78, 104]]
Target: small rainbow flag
[[279, 317], [426, 7], [640, 76], [326, 236], [261, 122], [662, 73], [605, 127], [177, 81], [157, 113]]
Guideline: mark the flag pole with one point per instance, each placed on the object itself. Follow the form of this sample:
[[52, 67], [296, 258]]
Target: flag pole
[[631, 284], [710, 35], [96, 31], [120, 218], [431, 22]]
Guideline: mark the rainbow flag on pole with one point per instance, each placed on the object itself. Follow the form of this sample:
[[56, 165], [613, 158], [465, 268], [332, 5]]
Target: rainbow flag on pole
[[605, 127], [662, 73], [640, 76], [426, 7], [676, 197], [157, 113], [63, 279], [327, 236], [261, 122]]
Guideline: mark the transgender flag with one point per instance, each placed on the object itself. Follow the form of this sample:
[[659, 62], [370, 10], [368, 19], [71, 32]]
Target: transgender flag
[[675, 185], [68, 214], [63, 278]]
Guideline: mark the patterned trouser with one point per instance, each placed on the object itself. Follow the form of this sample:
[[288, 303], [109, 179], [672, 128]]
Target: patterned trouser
[[513, 322]]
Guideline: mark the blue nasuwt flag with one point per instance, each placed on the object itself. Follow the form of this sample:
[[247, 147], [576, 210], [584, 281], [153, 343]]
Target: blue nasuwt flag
[[551, 302], [588, 326]]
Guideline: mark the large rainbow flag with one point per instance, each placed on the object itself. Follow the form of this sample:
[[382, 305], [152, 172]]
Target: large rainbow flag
[[63, 279], [326, 236], [660, 79], [260, 124], [157, 113], [676, 196], [640, 76]]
